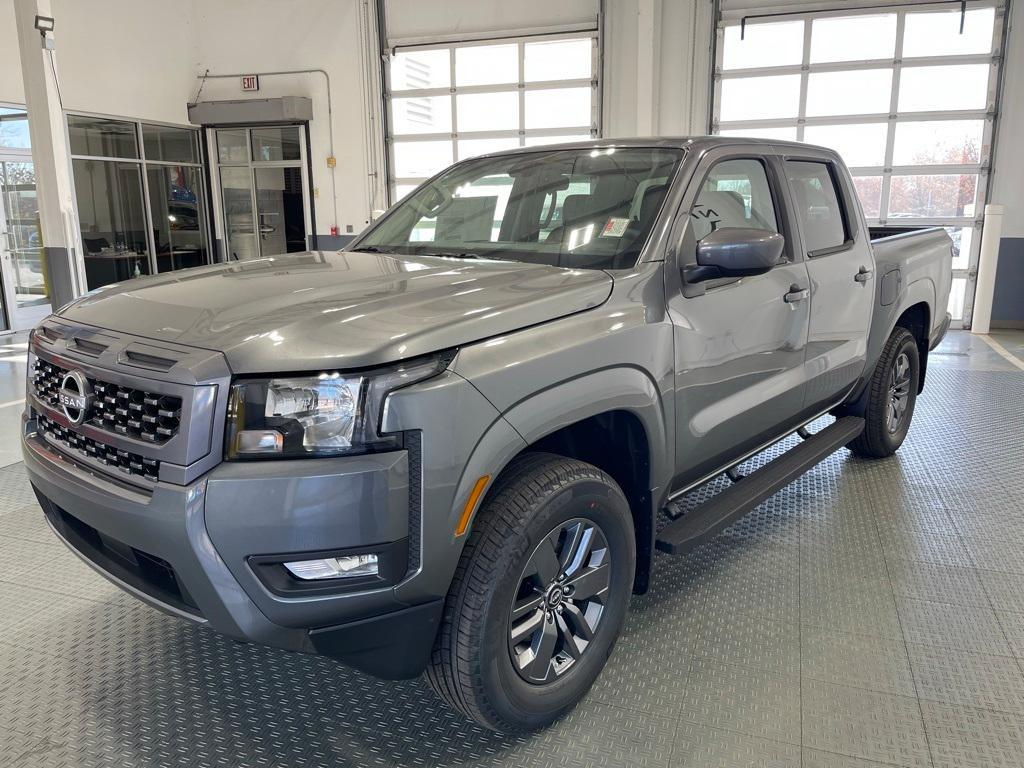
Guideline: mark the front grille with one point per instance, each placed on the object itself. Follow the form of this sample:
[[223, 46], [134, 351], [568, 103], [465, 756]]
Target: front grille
[[122, 410], [128, 463]]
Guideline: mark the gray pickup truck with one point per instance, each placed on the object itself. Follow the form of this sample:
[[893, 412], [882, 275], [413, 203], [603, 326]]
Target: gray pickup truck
[[453, 447]]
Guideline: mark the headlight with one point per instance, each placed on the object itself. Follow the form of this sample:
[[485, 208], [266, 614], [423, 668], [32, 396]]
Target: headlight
[[330, 414]]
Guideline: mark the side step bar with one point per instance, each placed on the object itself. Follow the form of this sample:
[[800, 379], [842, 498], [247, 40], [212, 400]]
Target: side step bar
[[726, 507]]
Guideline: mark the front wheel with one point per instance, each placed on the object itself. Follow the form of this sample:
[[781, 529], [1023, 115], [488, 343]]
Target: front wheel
[[891, 396], [539, 596]]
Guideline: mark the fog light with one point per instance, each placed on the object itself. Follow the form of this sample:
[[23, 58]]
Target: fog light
[[334, 567]]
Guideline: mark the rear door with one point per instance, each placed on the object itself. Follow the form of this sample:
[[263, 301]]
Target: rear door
[[840, 265], [739, 342]]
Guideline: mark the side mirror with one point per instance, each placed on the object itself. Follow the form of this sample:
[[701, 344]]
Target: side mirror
[[736, 252]]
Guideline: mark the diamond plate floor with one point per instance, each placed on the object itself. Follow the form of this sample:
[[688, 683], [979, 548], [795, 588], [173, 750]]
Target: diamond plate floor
[[871, 614]]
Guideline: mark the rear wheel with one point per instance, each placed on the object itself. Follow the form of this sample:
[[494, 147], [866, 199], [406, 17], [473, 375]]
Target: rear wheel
[[891, 396], [539, 596]]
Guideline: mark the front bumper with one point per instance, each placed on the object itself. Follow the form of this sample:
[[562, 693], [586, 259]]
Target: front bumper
[[186, 549]]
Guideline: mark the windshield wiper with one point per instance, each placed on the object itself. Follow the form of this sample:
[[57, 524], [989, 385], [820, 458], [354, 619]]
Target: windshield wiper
[[369, 249], [451, 254]]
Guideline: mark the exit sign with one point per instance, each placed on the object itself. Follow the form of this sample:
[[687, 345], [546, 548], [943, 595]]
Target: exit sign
[[250, 82]]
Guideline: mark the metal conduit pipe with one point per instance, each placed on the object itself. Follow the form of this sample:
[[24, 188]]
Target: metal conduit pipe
[[330, 113]]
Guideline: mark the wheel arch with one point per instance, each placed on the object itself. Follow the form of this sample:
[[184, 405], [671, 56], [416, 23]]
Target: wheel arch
[[917, 319], [613, 419]]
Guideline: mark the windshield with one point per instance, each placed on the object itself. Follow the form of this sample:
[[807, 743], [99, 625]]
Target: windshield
[[582, 208]]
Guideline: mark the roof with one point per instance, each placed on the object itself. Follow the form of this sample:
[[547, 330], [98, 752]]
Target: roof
[[670, 142]]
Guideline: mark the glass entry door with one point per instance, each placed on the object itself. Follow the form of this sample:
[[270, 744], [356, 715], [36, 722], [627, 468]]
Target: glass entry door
[[25, 298], [264, 190]]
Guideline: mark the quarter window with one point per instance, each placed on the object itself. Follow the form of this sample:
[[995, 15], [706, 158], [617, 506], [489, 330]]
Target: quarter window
[[818, 205], [735, 193]]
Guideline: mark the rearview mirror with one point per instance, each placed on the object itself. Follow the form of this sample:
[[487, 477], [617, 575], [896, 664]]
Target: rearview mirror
[[736, 252]]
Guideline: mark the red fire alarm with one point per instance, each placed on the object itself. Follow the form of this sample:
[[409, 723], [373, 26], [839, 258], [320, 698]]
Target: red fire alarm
[[334, 231]]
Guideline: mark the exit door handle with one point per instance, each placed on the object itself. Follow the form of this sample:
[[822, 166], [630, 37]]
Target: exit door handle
[[862, 275], [796, 293]]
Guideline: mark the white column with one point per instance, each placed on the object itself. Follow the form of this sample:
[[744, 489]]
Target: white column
[[987, 263], [648, 66], [50, 154]]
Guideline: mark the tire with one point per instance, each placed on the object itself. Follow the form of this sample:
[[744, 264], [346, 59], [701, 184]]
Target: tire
[[899, 365], [541, 503]]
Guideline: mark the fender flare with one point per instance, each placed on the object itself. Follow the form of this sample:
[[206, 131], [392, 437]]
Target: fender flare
[[625, 389], [921, 291]]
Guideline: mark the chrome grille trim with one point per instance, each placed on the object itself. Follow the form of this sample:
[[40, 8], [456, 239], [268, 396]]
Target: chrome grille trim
[[128, 411], [106, 455]]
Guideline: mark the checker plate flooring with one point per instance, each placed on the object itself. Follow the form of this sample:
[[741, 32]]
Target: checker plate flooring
[[871, 614]]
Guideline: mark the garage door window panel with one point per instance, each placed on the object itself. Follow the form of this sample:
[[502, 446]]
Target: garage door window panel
[[760, 98], [944, 88], [557, 108], [860, 145], [853, 38], [486, 65], [848, 93], [932, 196], [944, 142], [765, 44], [938, 33]]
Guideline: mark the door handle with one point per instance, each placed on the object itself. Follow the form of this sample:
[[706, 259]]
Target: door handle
[[796, 293], [862, 275]]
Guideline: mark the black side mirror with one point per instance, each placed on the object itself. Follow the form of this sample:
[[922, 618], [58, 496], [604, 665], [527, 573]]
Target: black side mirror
[[736, 252]]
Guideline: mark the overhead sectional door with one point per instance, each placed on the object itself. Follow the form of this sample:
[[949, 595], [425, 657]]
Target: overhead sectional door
[[906, 94], [449, 102]]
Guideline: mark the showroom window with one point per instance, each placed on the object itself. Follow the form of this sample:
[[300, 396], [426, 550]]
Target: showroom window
[[140, 196], [905, 95], [452, 102]]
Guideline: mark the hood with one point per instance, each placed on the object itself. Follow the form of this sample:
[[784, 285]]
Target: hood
[[308, 311]]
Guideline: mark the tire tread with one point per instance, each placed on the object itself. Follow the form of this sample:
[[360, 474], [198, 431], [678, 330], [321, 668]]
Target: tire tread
[[453, 671]]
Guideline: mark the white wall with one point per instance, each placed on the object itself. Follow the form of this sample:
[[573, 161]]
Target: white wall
[[141, 58], [668, 43], [434, 18], [121, 57], [259, 36], [1007, 186]]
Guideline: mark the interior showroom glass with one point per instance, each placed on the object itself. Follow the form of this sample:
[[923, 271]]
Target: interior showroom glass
[[141, 197]]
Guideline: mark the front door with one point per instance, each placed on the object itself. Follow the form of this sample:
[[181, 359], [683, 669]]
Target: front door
[[25, 298], [264, 190], [739, 343]]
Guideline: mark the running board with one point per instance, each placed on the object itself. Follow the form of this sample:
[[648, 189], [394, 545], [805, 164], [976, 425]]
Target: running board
[[725, 508]]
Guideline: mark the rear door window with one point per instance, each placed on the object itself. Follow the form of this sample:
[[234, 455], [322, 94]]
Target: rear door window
[[818, 204]]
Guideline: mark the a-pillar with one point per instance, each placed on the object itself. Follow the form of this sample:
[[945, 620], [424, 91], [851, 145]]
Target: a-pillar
[[50, 156]]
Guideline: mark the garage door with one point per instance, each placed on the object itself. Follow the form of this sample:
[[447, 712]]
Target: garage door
[[455, 101], [907, 95]]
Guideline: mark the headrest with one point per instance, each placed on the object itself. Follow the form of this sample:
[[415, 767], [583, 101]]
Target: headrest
[[578, 207]]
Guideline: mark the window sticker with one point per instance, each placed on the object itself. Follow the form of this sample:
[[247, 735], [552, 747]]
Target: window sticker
[[615, 227]]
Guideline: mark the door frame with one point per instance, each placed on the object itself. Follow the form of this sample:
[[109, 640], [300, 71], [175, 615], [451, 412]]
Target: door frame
[[11, 318], [676, 288], [217, 193]]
